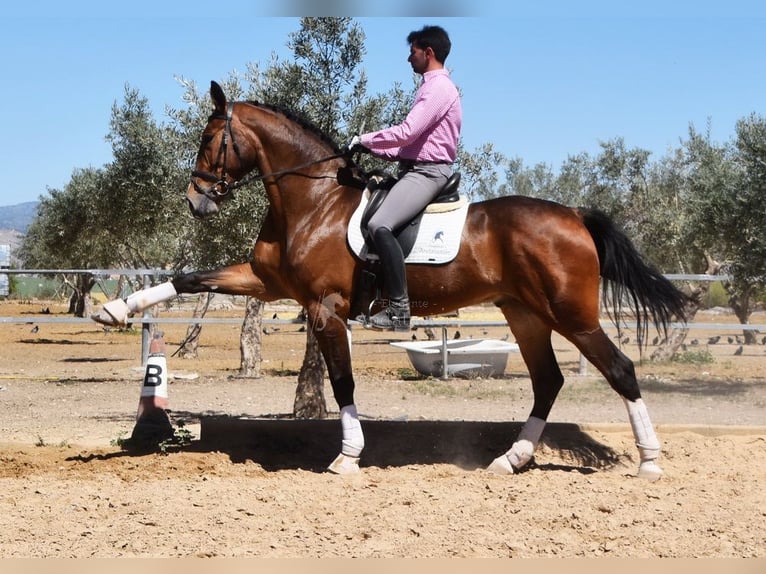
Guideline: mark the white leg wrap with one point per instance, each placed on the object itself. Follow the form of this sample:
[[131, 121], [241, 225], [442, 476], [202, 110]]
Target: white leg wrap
[[145, 298], [347, 462], [643, 430], [115, 312], [522, 450], [353, 438], [646, 440]]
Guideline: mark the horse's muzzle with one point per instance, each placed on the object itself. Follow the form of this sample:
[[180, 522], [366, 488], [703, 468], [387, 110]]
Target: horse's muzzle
[[201, 206]]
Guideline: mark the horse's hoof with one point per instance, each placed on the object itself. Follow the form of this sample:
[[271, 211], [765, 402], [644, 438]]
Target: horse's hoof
[[103, 319], [649, 470], [344, 465], [501, 465], [113, 314]]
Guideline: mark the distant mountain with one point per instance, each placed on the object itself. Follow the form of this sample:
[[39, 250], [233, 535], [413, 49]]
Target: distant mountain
[[18, 216]]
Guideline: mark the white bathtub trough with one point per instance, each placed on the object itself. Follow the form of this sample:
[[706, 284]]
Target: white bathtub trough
[[467, 358]]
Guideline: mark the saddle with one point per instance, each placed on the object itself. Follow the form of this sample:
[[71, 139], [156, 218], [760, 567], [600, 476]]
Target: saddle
[[447, 198], [429, 248]]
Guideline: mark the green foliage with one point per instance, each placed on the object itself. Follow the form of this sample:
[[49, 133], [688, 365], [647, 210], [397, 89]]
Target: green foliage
[[748, 247], [716, 296], [64, 234], [695, 357], [126, 214], [480, 171], [120, 441], [181, 437], [35, 287]]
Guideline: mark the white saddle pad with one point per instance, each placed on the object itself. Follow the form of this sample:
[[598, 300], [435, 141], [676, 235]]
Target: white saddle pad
[[438, 238]]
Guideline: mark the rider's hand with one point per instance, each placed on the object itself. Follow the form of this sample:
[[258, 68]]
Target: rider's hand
[[355, 145]]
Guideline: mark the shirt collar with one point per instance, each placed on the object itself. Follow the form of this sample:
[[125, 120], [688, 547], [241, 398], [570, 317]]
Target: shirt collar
[[433, 73]]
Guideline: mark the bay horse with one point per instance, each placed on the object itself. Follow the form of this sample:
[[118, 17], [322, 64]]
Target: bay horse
[[539, 262]]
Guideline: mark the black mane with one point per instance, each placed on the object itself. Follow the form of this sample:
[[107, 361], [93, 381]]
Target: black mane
[[302, 121]]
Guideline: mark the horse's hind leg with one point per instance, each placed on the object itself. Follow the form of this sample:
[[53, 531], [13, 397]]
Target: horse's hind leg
[[620, 373], [534, 340]]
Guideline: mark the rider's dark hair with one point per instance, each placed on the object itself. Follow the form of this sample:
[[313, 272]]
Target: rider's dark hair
[[434, 37]]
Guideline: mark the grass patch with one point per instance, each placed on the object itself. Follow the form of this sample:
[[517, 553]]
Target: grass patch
[[41, 442], [695, 357], [433, 387], [120, 441], [181, 437], [407, 374]]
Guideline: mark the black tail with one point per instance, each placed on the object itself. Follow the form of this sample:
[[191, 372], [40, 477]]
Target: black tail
[[652, 297]]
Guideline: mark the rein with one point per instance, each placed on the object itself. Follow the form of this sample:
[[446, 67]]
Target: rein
[[220, 187]]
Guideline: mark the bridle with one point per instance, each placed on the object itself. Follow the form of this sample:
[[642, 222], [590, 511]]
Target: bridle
[[220, 187]]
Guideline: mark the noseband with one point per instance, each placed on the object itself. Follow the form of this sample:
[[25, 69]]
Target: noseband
[[220, 187]]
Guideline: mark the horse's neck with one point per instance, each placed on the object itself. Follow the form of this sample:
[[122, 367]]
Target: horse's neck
[[306, 205], [304, 186], [284, 144]]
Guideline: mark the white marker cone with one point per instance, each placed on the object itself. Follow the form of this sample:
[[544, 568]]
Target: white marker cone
[[152, 420]]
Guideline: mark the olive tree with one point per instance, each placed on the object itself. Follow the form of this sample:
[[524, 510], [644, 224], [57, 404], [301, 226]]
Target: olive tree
[[120, 215], [726, 184]]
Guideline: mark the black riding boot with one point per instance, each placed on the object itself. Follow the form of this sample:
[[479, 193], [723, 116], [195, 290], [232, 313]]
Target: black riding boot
[[395, 317]]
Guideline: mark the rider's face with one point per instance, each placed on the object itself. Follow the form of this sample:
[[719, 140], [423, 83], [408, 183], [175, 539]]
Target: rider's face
[[419, 59]]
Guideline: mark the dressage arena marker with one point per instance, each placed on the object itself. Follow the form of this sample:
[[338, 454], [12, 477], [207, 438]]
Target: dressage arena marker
[[154, 388]]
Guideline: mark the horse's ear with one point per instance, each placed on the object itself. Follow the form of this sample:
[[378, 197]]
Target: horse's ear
[[218, 97]]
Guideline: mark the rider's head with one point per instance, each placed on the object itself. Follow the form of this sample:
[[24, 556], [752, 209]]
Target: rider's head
[[429, 47]]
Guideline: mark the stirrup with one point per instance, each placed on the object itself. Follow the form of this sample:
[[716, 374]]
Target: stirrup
[[395, 317]]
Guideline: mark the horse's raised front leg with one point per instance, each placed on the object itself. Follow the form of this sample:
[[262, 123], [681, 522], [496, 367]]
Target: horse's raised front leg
[[534, 340], [327, 318], [239, 279]]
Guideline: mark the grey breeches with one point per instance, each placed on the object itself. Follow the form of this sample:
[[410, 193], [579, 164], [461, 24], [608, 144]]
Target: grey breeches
[[410, 195]]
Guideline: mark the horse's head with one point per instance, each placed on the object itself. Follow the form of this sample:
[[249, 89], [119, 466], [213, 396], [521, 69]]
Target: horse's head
[[219, 161], [240, 137]]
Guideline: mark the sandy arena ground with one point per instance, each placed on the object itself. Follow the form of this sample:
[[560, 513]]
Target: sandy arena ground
[[255, 486]]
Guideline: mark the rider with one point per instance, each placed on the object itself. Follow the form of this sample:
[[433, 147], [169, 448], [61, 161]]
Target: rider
[[425, 144]]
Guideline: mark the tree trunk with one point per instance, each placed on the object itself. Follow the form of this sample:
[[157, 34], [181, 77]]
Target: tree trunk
[[741, 305], [120, 287], [309, 395], [250, 339], [80, 303], [188, 349], [677, 336]]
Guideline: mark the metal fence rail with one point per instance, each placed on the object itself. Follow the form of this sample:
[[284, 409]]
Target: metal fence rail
[[147, 320], [415, 322]]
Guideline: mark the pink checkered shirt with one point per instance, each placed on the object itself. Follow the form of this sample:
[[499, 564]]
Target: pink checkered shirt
[[431, 130]]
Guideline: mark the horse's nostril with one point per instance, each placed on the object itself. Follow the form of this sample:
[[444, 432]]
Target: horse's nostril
[[201, 207]]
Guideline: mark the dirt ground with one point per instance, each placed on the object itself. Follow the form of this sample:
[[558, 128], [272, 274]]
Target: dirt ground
[[251, 480]]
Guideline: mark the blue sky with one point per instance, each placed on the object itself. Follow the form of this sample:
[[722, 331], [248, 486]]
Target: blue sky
[[540, 83]]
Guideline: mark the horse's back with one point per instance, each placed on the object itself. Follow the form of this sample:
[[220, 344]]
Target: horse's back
[[536, 238], [527, 214]]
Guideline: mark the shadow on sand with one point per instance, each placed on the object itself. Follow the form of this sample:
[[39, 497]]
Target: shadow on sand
[[283, 443], [278, 444]]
